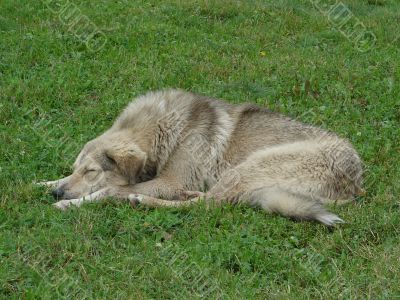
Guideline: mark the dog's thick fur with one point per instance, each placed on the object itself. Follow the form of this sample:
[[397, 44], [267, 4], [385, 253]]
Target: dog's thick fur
[[168, 143]]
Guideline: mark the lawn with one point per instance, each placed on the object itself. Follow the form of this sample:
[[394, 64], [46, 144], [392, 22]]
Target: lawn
[[60, 88]]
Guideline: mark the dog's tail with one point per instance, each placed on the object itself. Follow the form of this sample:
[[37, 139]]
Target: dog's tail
[[293, 205]]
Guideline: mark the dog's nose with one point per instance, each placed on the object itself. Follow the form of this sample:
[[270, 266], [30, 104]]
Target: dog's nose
[[57, 193]]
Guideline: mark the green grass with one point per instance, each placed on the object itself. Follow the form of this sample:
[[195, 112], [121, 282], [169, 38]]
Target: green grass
[[56, 95]]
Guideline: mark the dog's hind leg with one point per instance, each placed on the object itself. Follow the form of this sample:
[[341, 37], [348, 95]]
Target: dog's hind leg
[[293, 180]]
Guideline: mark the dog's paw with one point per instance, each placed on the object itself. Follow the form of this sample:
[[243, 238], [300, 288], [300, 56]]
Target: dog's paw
[[45, 183], [63, 204], [135, 199], [329, 219]]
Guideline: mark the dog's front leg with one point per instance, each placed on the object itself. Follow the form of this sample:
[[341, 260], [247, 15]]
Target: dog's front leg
[[149, 201], [54, 183], [120, 193], [163, 188], [94, 197]]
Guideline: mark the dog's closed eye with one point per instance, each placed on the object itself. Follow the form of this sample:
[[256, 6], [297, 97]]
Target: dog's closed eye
[[91, 174]]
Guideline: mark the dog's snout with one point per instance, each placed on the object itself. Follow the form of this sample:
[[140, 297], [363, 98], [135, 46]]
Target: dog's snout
[[57, 193]]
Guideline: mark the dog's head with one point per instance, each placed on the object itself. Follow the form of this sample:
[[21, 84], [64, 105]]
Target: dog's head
[[108, 161]]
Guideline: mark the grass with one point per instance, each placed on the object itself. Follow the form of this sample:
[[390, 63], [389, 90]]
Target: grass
[[56, 95]]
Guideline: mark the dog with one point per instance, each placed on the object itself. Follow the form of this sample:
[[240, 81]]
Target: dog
[[174, 148]]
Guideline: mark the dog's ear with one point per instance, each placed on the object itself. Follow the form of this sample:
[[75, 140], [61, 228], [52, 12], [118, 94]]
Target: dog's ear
[[129, 159]]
